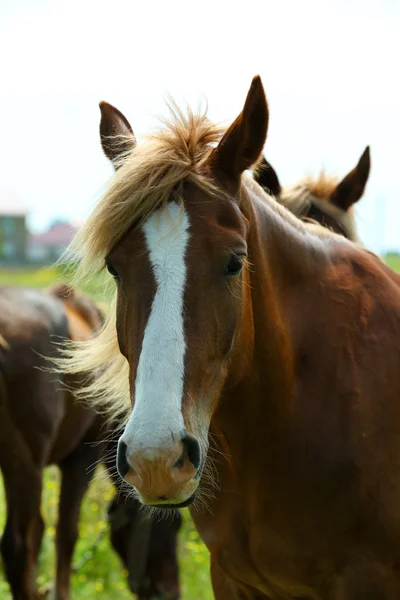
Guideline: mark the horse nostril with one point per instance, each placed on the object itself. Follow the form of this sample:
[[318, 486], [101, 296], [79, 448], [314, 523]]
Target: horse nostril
[[122, 461], [191, 447]]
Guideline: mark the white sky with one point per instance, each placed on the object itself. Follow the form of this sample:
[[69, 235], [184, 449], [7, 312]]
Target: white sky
[[330, 71]]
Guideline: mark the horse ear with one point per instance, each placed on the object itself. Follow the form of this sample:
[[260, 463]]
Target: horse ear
[[243, 142], [265, 175], [116, 134], [352, 187]]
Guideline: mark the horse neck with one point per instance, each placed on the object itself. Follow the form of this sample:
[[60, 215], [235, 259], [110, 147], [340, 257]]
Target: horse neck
[[284, 258], [286, 244]]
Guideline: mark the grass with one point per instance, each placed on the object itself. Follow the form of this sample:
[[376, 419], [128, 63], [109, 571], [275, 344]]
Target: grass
[[100, 287], [101, 576]]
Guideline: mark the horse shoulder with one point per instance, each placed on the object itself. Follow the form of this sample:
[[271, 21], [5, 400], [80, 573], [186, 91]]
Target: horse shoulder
[[348, 379]]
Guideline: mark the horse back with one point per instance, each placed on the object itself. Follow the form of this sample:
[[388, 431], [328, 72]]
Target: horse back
[[33, 399], [38, 408], [30, 317]]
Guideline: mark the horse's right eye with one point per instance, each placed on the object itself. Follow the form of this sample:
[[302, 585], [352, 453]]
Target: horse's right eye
[[112, 270]]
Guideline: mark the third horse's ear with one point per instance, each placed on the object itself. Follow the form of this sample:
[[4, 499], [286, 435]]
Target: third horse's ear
[[116, 134], [266, 176], [242, 144], [352, 187]]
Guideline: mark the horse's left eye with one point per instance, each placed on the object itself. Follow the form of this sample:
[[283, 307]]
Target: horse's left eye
[[234, 265]]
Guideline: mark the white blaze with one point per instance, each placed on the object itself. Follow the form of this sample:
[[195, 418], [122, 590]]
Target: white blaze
[[157, 414]]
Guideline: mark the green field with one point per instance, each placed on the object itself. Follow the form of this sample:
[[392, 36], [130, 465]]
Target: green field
[[100, 287], [99, 574]]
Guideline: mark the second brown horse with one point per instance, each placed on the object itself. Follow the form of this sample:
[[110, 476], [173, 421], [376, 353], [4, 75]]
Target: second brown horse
[[40, 424], [325, 200]]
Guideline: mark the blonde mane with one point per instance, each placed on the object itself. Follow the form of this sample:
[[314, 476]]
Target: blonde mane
[[299, 197], [323, 186], [148, 176]]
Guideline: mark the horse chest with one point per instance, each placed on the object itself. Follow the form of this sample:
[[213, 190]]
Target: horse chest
[[271, 569], [280, 543], [258, 558], [287, 551]]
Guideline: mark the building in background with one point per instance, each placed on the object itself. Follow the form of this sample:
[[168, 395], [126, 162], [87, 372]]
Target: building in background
[[13, 229], [47, 247], [20, 247]]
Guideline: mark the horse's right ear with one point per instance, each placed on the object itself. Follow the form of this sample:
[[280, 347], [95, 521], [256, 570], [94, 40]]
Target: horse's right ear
[[116, 134], [265, 175]]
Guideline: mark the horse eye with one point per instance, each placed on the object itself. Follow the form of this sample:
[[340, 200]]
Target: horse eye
[[112, 270], [234, 265]]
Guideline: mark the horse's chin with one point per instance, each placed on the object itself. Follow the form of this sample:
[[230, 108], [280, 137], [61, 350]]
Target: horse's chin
[[176, 505], [183, 504]]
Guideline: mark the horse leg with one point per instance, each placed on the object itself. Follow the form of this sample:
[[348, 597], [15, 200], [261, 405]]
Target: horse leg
[[76, 476], [23, 533]]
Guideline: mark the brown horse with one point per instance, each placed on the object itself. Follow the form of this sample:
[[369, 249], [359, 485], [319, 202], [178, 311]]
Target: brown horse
[[324, 200], [247, 339], [40, 425]]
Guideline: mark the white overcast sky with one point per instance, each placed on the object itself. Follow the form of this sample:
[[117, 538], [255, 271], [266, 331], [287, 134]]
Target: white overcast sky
[[330, 71]]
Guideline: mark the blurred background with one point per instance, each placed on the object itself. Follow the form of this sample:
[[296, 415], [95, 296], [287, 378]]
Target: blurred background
[[330, 71]]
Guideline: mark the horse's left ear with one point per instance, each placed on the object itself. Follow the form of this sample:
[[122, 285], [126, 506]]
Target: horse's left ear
[[243, 142], [265, 175], [352, 187], [116, 133]]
